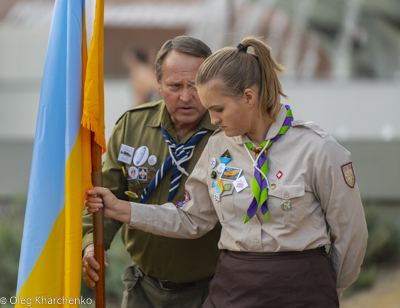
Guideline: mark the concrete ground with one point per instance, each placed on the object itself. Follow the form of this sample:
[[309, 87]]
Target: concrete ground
[[384, 294]]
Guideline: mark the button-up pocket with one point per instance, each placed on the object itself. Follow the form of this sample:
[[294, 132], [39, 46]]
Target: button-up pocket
[[285, 202], [225, 207]]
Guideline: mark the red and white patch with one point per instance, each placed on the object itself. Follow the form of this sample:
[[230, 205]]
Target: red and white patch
[[279, 174], [187, 198]]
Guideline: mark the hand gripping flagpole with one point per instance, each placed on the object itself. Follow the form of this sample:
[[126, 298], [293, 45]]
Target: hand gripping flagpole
[[93, 119], [98, 226]]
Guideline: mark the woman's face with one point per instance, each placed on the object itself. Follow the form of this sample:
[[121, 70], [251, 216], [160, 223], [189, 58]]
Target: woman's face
[[231, 114]]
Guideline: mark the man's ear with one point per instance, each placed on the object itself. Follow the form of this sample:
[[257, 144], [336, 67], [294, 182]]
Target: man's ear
[[158, 82]]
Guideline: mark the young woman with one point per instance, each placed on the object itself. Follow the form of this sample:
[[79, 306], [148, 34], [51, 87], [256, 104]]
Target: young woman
[[282, 189]]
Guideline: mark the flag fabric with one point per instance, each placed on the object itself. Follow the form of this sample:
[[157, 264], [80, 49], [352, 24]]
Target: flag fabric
[[71, 106]]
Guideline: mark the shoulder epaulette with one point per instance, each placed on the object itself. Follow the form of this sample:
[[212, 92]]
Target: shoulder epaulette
[[140, 107], [315, 128]]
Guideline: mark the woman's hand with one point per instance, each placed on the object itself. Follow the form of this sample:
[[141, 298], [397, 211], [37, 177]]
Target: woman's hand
[[114, 208]]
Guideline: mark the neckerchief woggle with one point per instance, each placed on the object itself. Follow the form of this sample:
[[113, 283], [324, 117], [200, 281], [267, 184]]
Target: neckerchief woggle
[[259, 183]]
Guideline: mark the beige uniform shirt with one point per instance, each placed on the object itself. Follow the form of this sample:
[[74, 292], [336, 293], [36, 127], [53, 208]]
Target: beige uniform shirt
[[307, 167]]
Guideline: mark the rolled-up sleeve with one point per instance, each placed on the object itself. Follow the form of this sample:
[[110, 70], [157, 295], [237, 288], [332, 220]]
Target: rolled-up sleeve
[[195, 218], [340, 200]]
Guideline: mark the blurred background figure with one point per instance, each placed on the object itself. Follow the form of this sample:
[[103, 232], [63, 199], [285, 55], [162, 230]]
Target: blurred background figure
[[142, 76]]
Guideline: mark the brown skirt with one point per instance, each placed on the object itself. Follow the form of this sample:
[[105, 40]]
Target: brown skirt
[[269, 280]]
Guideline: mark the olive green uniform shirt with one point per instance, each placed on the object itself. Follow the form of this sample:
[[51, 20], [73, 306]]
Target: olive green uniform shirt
[[177, 260]]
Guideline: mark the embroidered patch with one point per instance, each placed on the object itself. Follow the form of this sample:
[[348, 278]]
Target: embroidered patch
[[231, 174], [226, 157], [187, 198], [240, 184], [134, 185], [151, 174], [219, 187], [131, 194], [348, 174], [142, 176], [227, 186], [126, 154], [279, 174]]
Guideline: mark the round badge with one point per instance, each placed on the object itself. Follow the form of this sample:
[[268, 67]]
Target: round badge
[[220, 168], [286, 206], [152, 160], [213, 163], [140, 156], [213, 175], [217, 197], [133, 172]]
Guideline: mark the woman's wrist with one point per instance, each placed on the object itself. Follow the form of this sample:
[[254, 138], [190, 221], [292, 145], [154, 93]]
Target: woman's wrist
[[123, 212]]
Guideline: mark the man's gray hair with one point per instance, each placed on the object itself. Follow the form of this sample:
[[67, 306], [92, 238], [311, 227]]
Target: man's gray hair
[[185, 44]]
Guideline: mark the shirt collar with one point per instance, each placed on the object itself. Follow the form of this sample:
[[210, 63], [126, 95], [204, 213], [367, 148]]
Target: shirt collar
[[162, 117], [273, 130]]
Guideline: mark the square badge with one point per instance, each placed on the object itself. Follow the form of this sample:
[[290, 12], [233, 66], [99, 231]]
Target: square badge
[[231, 174]]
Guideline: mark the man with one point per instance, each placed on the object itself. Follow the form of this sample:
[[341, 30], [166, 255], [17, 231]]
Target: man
[[150, 155]]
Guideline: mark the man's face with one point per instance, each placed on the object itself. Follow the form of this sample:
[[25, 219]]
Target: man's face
[[177, 88]]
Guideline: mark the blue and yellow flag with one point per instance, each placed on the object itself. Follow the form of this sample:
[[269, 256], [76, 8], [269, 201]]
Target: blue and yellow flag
[[71, 106]]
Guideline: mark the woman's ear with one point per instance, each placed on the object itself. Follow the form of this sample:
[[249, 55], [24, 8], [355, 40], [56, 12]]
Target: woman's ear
[[250, 97]]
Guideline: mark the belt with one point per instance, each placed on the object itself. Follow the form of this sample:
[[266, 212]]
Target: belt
[[169, 285]]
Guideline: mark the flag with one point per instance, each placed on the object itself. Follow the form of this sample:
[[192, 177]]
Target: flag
[[71, 106]]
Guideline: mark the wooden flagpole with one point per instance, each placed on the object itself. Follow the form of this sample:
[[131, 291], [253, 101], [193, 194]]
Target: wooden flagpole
[[98, 225]]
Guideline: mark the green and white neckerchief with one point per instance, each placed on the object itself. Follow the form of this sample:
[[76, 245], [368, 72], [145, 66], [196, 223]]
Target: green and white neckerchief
[[259, 184]]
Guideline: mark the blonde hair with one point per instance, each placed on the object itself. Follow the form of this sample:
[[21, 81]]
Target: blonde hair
[[238, 70]]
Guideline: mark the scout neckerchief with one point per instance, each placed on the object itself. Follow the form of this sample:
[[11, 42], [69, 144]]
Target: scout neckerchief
[[259, 183], [179, 156]]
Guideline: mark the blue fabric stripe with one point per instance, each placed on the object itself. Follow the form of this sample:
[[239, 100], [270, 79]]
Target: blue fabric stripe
[[58, 123]]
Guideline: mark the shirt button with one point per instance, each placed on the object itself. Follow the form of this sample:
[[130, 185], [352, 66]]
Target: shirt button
[[286, 195], [159, 270], [256, 240], [251, 194], [273, 186], [159, 244], [169, 183]]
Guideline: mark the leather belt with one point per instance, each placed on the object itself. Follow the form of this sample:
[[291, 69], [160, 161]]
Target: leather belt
[[169, 285]]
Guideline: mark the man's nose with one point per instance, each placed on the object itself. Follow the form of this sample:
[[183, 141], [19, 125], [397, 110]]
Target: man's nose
[[186, 95]]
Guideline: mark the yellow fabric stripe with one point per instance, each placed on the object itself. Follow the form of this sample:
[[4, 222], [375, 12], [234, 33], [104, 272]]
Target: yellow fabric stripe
[[93, 103], [57, 272], [220, 185]]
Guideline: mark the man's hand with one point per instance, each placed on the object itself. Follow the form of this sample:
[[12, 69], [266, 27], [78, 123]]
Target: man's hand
[[90, 265], [113, 207]]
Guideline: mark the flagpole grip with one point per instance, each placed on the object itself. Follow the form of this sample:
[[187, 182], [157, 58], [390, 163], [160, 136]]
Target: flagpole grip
[[98, 226]]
